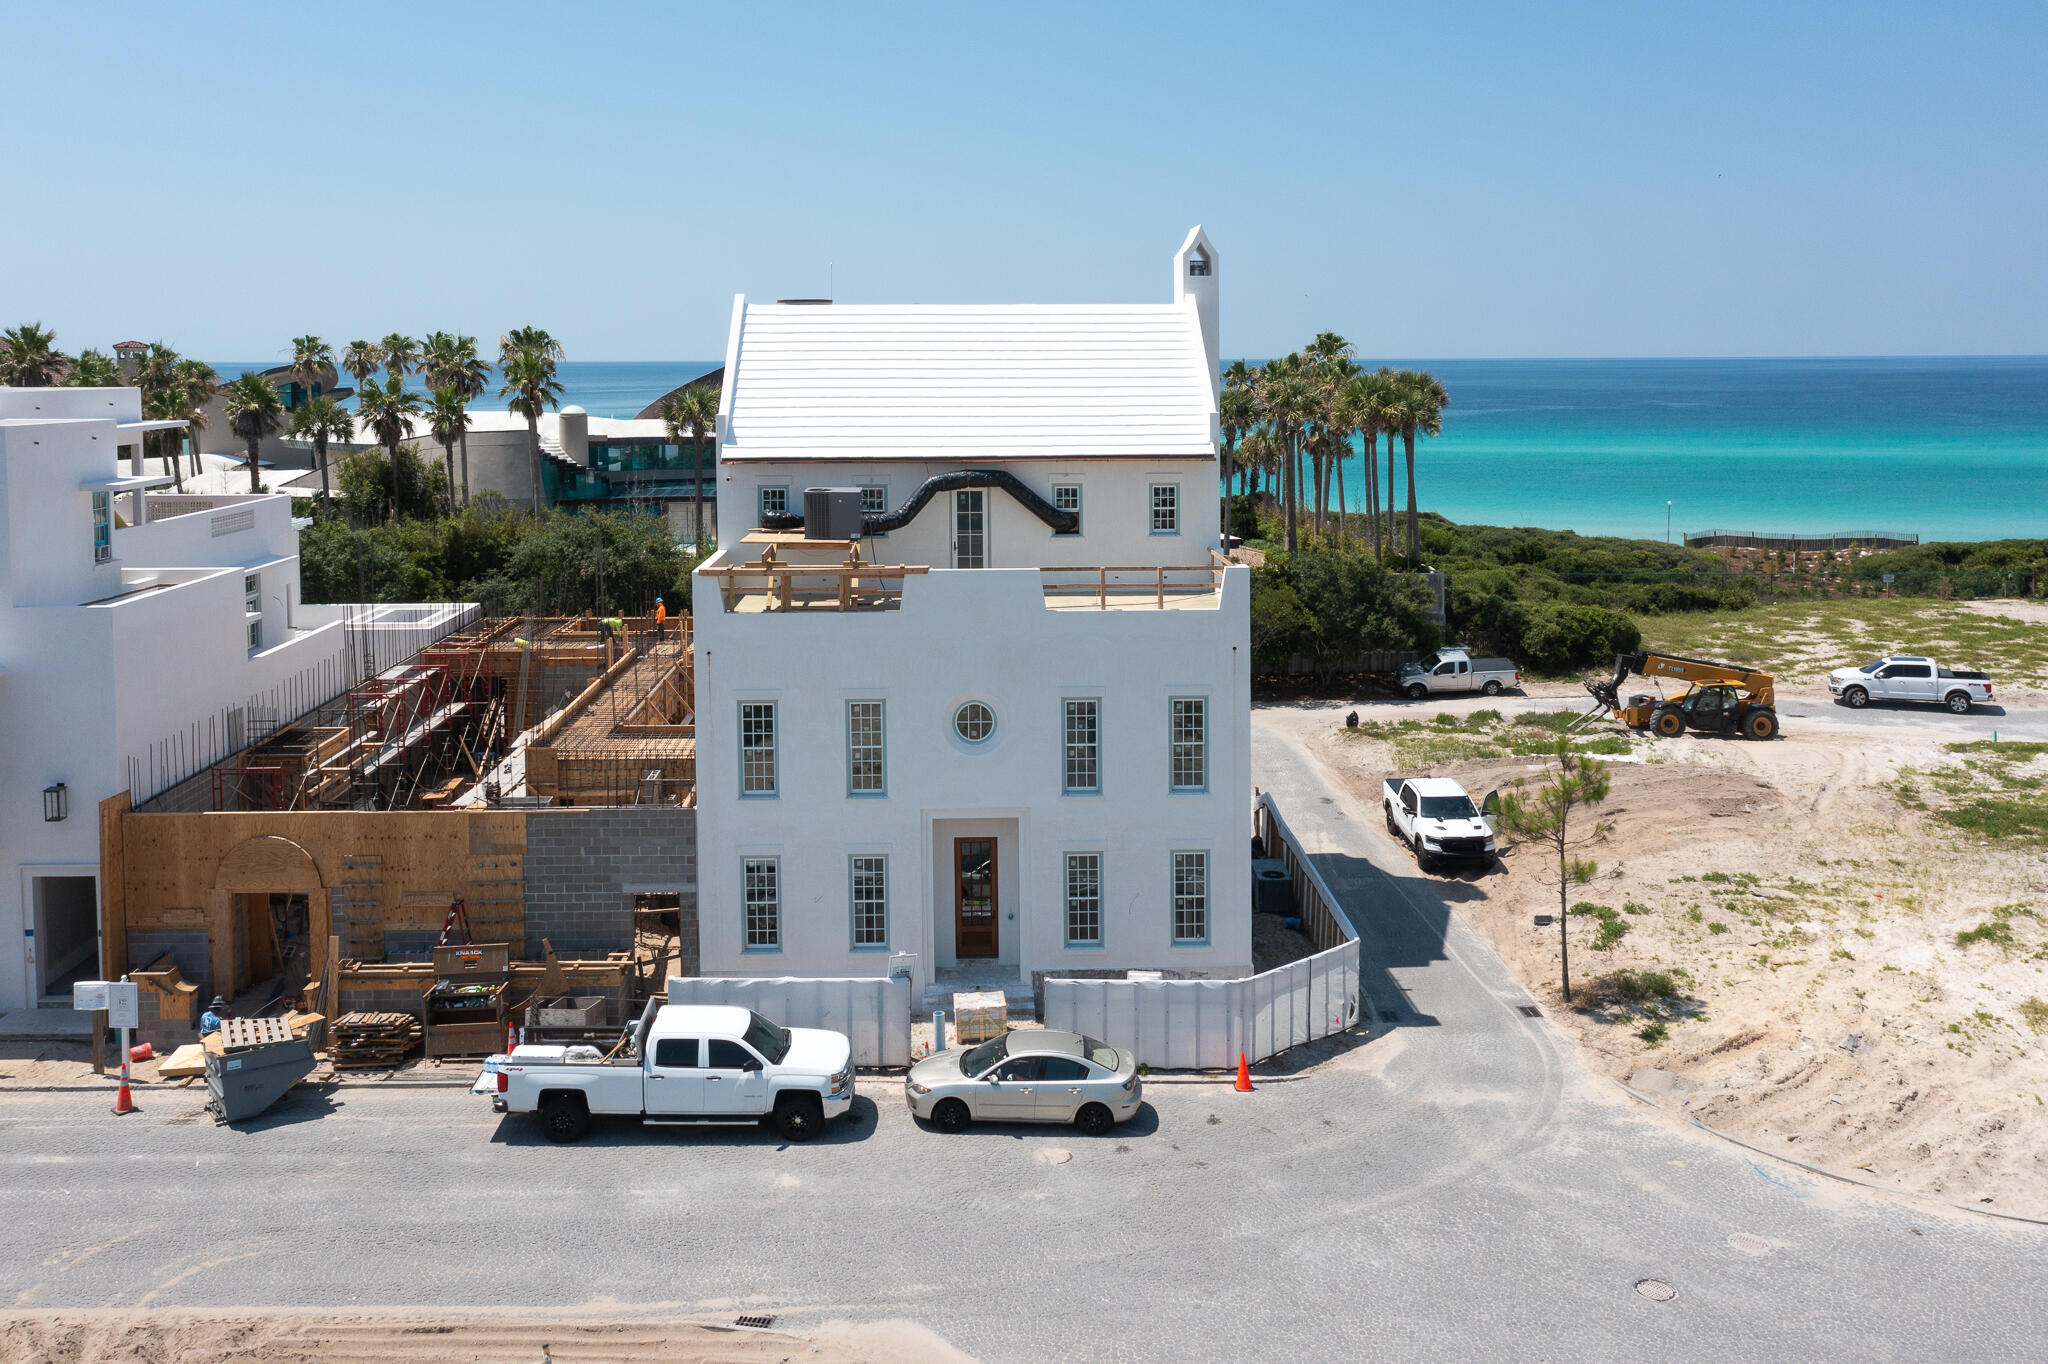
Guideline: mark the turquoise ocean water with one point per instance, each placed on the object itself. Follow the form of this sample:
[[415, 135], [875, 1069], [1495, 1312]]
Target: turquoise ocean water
[[1941, 448]]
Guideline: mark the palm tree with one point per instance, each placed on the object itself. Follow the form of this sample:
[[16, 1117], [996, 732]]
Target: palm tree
[[695, 411], [156, 374], [1289, 405], [526, 359], [386, 411], [1237, 411], [470, 377], [94, 369], [401, 355], [196, 385], [255, 413], [361, 360], [1358, 409], [320, 420], [1423, 414], [1396, 411], [311, 358], [447, 419], [29, 357]]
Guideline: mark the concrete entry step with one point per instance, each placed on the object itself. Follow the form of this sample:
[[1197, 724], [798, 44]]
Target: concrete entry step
[[45, 1025]]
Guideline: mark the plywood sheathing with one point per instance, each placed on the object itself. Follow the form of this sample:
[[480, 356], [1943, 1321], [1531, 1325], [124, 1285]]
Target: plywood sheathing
[[400, 867]]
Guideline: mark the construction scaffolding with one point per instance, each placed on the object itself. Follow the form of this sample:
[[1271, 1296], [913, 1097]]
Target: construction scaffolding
[[608, 715]]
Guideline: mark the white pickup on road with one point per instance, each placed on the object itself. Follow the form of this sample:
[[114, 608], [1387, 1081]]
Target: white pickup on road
[[690, 1063], [1911, 677], [1435, 817], [1453, 670]]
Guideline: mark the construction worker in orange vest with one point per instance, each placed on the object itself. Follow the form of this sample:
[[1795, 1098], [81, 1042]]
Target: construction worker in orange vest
[[660, 621]]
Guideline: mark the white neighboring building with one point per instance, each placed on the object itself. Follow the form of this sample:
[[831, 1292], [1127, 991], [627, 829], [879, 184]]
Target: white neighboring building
[[1028, 752], [136, 629]]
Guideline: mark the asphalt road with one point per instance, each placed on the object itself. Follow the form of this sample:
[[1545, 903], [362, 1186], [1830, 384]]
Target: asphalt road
[[1457, 1186]]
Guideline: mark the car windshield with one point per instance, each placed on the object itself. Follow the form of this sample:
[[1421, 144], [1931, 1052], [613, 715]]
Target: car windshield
[[772, 1042], [1871, 667], [1428, 661], [1447, 807], [975, 1062], [1101, 1053]]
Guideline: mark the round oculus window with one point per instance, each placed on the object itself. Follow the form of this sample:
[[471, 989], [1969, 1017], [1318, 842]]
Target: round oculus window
[[974, 722]]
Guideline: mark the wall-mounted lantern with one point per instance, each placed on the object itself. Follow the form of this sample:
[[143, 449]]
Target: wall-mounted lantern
[[56, 802]]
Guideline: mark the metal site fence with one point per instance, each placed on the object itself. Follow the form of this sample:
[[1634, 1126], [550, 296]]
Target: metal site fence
[[1208, 1024], [1802, 544]]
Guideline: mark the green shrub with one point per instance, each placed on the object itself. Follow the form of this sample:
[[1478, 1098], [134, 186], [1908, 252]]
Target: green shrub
[[1994, 931]]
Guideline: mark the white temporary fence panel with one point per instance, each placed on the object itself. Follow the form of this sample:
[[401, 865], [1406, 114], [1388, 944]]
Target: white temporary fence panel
[[873, 1011], [1205, 1024]]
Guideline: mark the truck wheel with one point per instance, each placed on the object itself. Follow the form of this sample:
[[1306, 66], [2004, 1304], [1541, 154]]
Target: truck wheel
[[1392, 827], [564, 1118], [1856, 698], [951, 1116], [799, 1117], [1492, 687], [1669, 723], [1094, 1120], [1424, 863], [1416, 691], [1959, 702], [1761, 724]]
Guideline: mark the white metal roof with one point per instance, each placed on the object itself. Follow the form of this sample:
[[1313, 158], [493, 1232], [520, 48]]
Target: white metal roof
[[938, 381]]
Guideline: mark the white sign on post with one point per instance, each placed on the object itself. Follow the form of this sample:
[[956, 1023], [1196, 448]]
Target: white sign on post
[[89, 995], [124, 1004]]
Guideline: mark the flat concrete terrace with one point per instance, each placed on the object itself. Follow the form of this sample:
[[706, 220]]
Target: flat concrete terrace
[[801, 576]]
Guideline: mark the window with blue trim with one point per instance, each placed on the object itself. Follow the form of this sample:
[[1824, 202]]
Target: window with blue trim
[[868, 877], [1084, 899], [1190, 897], [866, 768], [761, 903]]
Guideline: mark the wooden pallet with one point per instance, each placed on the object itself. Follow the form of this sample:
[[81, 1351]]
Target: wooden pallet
[[372, 1041]]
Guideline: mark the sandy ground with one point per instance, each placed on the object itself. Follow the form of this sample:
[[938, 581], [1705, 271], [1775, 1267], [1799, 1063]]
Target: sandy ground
[[1833, 1015], [310, 1338]]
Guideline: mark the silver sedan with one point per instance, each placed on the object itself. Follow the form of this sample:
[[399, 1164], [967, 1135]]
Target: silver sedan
[[1027, 1076]]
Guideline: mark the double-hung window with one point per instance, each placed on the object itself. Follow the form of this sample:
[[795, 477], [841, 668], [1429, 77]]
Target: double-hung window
[[1190, 743], [868, 880], [761, 903], [866, 773], [774, 501], [1082, 733], [757, 748], [1084, 899], [102, 527], [1191, 897], [1066, 497], [252, 608], [1166, 508]]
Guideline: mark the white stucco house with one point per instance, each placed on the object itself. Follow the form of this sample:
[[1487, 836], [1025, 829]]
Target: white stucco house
[[997, 729], [142, 634]]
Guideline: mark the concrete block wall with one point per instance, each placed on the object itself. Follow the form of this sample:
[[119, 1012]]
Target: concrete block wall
[[583, 867], [187, 946]]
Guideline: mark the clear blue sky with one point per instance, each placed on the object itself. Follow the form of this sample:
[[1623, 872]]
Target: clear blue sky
[[1432, 181]]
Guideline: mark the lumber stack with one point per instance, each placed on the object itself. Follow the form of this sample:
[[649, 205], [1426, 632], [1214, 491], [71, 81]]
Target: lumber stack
[[372, 1041]]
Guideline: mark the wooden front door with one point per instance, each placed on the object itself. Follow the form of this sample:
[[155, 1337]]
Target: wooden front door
[[974, 897]]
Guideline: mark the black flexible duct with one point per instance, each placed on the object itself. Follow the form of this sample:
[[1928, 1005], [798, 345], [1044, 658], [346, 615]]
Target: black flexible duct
[[1061, 521]]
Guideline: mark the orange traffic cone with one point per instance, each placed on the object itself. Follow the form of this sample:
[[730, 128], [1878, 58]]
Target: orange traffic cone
[[123, 1102], [1244, 1075]]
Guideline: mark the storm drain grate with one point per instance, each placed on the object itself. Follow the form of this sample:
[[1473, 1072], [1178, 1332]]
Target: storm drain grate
[[1656, 1290], [758, 1323], [1528, 1011], [1749, 1243]]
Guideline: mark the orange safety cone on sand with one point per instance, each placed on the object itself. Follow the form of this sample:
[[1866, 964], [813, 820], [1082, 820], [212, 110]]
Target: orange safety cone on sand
[[1244, 1075], [123, 1102]]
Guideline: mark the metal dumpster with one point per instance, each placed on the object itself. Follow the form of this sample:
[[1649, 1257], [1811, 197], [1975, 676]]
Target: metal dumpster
[[258, 1061]]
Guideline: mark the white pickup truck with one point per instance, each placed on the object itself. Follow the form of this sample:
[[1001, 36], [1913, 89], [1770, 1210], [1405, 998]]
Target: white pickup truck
[[690, 1063], [1435, 817], [1910, 677], [1454, 670]]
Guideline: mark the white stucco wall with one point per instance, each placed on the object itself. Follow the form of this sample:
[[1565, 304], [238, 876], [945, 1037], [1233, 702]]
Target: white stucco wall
[[95, 671], [1116, 512], [986, 635]]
